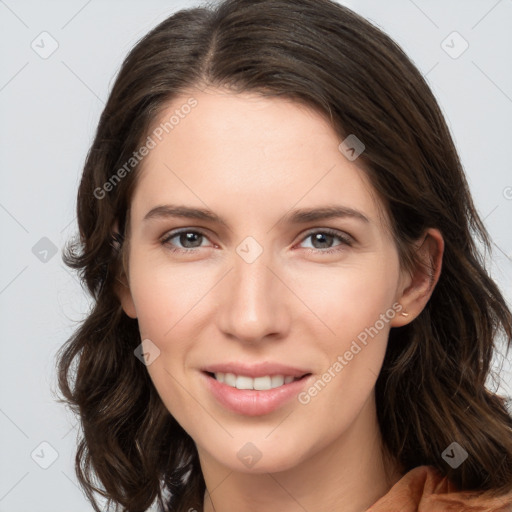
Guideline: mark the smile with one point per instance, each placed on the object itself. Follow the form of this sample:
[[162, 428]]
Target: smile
[[259, 383], [253, 396]]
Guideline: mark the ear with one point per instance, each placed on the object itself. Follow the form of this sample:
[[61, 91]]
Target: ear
[[417, 286], [122, 286], [122, 289]]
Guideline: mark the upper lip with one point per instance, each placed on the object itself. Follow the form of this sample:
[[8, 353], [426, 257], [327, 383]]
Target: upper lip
[[255, 370]]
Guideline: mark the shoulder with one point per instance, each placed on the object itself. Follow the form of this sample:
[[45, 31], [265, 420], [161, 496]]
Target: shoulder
[[424, 489]]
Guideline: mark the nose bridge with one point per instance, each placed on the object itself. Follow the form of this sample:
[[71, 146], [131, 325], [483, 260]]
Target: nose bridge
[[252, 304]]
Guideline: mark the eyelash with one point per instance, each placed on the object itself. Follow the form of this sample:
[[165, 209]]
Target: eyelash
[[343, 238]]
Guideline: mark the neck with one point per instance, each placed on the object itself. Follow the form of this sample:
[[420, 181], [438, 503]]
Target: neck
[[349, 474]]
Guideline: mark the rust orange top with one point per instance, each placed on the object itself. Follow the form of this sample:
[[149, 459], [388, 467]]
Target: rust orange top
[[424, 489]]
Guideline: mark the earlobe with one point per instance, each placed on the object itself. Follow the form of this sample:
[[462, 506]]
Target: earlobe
[[422, 279]]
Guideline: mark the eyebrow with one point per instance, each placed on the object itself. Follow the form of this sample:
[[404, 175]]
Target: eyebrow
[[298, 216]]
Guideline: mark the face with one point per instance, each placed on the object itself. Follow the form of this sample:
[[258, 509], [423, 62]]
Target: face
[[259, 255]]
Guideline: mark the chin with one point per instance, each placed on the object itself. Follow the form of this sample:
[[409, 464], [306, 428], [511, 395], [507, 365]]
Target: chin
[[257, 457]]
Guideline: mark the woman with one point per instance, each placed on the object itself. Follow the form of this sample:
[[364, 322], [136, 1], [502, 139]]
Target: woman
[[290, 311]]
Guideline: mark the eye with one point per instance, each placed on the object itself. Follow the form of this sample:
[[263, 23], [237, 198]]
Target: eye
[[322, 240], [188, 240]]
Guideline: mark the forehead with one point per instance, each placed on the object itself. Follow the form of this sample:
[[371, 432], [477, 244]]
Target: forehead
[[258, 151]]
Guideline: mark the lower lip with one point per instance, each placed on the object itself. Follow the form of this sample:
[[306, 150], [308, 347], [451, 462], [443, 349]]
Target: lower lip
[[251, 402]]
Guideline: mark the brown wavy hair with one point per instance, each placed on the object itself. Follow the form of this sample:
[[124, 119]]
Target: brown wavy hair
[[432, 387]]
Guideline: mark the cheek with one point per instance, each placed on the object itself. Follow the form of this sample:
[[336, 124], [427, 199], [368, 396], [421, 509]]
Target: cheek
[[357, 307], [349, 299], [164, 295], [164, 301], [170, 303]]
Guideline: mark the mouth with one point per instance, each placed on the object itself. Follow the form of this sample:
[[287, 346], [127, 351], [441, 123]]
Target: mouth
[[254, 395]]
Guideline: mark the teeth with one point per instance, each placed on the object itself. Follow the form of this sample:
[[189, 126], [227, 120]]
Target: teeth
[[258, 383]]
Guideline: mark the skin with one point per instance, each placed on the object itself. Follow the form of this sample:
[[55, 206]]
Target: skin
[[251, 160]]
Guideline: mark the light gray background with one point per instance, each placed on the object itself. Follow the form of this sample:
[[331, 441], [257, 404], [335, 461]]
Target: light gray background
[[49, 111]]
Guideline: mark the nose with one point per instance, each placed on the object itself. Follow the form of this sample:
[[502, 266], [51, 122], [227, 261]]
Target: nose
[[253, 302]]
